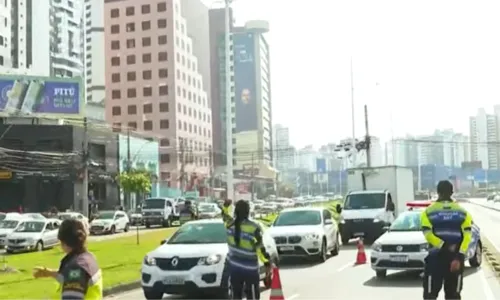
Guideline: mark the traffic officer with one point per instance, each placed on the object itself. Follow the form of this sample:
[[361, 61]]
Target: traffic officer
[[448, 230], [187, 213], [79, 275], [245, 251], [227, 212]]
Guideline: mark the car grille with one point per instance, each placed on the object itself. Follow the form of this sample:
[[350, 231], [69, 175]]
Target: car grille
[[152, 213], [404, 248], [280, 240], [290, 240], [17, 241], [3, 236], [294, 239], [183, 264], [95, 227]]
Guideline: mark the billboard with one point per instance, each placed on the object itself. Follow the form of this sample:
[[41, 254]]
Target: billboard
[[244, 81], [40, 96]]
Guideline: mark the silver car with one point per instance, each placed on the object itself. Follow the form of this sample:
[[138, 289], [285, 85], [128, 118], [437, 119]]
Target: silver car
[[33, 235]]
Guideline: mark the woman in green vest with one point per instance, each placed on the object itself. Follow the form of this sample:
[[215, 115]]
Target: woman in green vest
[[79, 275]]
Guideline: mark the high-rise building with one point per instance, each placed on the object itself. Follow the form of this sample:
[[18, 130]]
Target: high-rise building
[[253, 120], [283, 152], [95, 74], [154, 83], [41, 37], [484, 138]]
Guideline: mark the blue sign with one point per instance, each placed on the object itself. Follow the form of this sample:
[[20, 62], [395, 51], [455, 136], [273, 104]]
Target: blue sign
[[320, 165], [245, 82], [40, 96]]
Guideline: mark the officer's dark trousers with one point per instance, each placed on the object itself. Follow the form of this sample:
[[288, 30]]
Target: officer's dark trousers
[[437, 274], [245, 281]]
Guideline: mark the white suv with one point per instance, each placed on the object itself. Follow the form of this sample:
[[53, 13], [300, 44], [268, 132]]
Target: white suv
[[193, 260], [110, 222], [306, 232]]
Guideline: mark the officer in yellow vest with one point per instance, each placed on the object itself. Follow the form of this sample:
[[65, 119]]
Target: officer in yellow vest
[[79, 275], [245, 251], [227, 212]]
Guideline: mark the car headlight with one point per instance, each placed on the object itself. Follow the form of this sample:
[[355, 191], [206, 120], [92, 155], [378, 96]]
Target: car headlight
[[311, 236], [376, 247], [150, 261], [210, 260], [424, 247]]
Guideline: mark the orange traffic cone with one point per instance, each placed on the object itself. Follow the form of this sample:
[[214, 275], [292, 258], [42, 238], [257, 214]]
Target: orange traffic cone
[[361, 256], [276, 289]]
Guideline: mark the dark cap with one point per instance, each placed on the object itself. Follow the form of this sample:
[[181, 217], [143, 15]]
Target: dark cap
[[445, 187]]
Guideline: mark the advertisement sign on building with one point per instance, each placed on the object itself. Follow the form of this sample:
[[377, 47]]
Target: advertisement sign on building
[[244, 81], [40, 96]]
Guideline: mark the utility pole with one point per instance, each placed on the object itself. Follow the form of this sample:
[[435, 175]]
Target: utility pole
[[229, 123], [183, 163], [128, 168], [367, 140], [353, 117], [252, 178], [85, 183], [211, 166]]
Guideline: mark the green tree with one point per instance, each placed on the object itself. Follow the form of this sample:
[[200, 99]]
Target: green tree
[[138, 182]]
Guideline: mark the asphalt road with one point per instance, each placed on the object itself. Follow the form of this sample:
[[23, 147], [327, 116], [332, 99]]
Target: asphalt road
[[338, 278]]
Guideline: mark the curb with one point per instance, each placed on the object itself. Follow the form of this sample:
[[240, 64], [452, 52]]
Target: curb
[[492, 256], [122, 288], [485, 206]]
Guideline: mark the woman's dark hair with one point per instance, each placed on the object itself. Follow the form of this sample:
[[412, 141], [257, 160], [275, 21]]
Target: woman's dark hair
[[241, 212], [73, 234]]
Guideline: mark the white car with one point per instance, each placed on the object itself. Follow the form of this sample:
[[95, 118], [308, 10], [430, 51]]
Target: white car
[[75, 215], [306, 232], [33, 235], [208, 211], [192, 260], [110, 222], [8, 225]]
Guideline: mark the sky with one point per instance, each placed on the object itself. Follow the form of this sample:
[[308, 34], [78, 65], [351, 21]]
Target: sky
[[417, 65]]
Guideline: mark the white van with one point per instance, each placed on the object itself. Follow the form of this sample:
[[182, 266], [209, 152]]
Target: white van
[[8, 225]]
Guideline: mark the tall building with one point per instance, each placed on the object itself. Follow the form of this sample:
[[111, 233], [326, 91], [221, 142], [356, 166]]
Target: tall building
[[95, 73], [283, 152], [154, 83], [485, 137], [253, 124], [218, 79], [41, 37], [306, 159]]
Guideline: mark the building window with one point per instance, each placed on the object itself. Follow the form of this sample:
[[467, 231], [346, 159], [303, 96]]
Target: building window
[[162, 56], [130, 27], [115, 13], [146, 58], [145, 9], [115, 29], [146, 41], [179, 124], [115, 45], [162, 23], [162, 40], [115, 77], [163, 90], [116, 94], [146, 25], [116, 110], [163, 73], [164, 124], [164, 142], [147, 91], [131, 93], [129, 11], [132, 109], [148, 125], [132, 125], [147, 108], [131, 43], [130, 59], [147, 74], [162, 6], [165, 158], [131, 76], [163, 107]]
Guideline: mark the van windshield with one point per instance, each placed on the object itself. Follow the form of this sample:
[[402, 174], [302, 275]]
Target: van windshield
[[365, 201], [154, 204]]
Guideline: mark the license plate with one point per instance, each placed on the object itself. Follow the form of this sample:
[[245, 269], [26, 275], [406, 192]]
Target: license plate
[[399, 258], [174, 280], [287, 248], [359, 234]]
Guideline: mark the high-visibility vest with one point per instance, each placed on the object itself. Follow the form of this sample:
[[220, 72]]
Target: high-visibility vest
[[243, 256]]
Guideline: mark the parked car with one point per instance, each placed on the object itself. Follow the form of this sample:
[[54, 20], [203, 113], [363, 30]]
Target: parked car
[[306, 232], [193, 259], [109, 222], [9, 225], [208, 211], [135, 216], [33, 235], [75, 215], [404, 247]]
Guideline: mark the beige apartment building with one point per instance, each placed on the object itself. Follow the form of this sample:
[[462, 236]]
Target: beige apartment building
[[154, 84]]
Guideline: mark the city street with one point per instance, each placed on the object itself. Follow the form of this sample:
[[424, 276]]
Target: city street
[[339, 279]]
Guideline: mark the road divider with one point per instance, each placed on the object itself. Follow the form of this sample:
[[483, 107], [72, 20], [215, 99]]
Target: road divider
[[492, 255]]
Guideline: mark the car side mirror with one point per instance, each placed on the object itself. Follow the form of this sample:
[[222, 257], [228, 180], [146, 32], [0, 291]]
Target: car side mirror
[[338, 208], [328, 221]]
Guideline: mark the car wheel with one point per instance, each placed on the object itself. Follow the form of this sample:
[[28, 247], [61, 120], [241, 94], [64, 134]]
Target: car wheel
[[336, 248], [153, 294], [113, 230], [127, 227], [477, 259], [148, 225], [381, 273], [39, 246], [166, 223], [322, 257], [8, 251]]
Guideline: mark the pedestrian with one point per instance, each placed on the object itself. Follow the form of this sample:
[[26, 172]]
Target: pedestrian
[[227, 212], [79, 275], [187, 213], [448, 230], [245, 251]]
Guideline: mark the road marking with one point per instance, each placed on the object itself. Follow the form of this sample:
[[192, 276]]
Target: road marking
[[345, 266], [486, 287], [297, 295]]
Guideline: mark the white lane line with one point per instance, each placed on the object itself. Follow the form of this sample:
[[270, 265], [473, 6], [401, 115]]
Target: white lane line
[[486, 287], [297, 295], [345, 266]]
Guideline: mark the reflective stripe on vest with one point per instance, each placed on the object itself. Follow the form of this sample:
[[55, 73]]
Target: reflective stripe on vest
[[244, 255], [94, 289]]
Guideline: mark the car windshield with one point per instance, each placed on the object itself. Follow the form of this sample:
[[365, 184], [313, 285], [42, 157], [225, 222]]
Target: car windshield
[[298, 217], [206, 208], [66, 217], [154, 203], [365, 201], [36, 216], [8, 224], [407, 222], [200, 233], [106, 215], [31, 226]]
